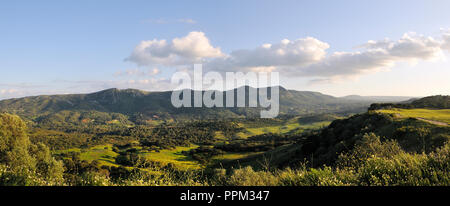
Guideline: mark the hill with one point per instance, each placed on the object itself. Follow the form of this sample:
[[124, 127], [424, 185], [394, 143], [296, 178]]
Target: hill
[[141, 106], [416, 130], [434, 102]]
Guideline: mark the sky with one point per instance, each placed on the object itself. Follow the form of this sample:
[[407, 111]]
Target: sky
[[370, 48]]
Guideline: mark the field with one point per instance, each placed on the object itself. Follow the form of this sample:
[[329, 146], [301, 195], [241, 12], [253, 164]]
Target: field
[[437, 115], [234, 156], [175, 157], [105, 155], [101, 153], [280, 128]]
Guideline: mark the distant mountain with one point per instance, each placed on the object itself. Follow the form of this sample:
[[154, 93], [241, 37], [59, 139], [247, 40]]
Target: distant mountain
[[378, 99], [143, 105]]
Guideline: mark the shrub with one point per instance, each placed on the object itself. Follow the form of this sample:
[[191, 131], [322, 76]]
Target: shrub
[[25, 163], [248, 177]]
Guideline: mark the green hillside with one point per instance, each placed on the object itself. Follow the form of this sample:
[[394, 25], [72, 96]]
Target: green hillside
[[141, 107], [436, 116], [431, 102]]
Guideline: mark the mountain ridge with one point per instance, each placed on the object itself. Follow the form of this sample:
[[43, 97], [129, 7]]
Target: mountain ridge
[[134, 102]]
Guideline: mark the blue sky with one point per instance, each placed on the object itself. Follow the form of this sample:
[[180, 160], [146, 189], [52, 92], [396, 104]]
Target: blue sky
[[49, 47]]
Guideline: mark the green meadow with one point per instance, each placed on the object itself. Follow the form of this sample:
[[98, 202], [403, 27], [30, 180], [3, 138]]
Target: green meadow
[[440, 115], [174, 156], [102, 153], [289, 126], [234, 156], [106, 156]]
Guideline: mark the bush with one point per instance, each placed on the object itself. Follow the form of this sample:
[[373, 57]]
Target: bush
[[23, 162], [248, 177]]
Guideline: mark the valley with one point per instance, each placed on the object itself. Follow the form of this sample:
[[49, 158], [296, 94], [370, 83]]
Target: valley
[[107, 138]]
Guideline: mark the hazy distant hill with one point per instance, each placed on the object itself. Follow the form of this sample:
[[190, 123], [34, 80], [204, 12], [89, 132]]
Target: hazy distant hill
[[150, 105]]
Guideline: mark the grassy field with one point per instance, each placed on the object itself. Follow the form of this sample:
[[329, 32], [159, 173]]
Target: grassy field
[[102, 153], [234, 156], [105, 155], [175, 157], [440, 115], [281, 129]]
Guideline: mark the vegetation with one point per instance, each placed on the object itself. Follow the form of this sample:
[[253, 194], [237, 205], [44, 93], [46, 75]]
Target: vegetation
[[389, 145], [434, 102], [142, 107], [24, 163], [437, 115]]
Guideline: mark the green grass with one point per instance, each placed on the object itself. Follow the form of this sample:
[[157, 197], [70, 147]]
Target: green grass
[[175, 157], [105, 155], [440, 115], [263, 130], [219, 136], [102, 153], [289, 126], [252, 130], [234, 156]]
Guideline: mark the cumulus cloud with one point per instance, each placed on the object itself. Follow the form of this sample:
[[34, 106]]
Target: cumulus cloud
[[446, 39], [8, 91], [297, 53], [305, 57], [193, 48], [413, 46], [375, 56], [308, 57]]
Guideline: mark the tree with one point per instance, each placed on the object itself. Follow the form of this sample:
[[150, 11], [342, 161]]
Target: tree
[[25, 161], [14, 144]]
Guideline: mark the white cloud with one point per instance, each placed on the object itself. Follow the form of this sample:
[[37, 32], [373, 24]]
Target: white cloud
[[375, 56], [297, 53], [8, 91], [306, 57], [154, 71], [193, 48], [446, 39], [413, 46]]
